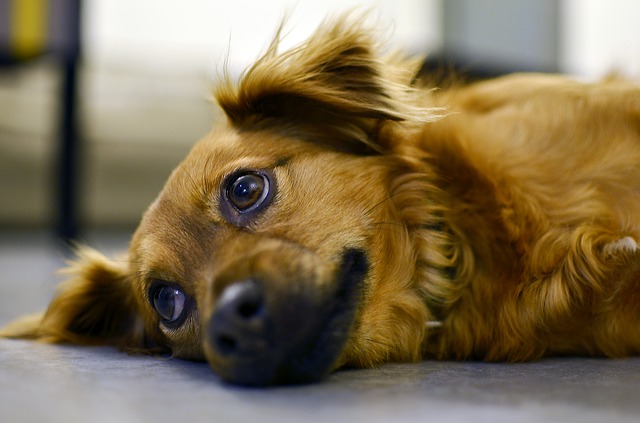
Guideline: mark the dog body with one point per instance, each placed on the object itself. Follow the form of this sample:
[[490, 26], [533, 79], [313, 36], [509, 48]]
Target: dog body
[[346, 214]]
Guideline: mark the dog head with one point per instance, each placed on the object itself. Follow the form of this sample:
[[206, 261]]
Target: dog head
[[282, 247]]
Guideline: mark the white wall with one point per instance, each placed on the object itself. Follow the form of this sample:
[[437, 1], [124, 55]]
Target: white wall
[[173, 36], [167, 36], [600, 36]]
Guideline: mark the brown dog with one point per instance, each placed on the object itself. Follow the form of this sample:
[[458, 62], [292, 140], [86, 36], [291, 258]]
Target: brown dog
[[345, 215]]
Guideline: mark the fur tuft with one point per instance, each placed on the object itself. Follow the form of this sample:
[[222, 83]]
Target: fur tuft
[[93, 307], [333, 87]]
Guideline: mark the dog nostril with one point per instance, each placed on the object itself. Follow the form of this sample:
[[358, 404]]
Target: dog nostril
[[226, 344], [238, 323], [249, 308], [245, 300]]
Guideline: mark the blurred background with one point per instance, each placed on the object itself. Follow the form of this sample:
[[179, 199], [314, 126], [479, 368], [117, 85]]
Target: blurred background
[[100, 99]]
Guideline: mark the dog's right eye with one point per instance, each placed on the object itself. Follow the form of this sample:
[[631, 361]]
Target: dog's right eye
[[247, 191], [245, 194], [170, 302]]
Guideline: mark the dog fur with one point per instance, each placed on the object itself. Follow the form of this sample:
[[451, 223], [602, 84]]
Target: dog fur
[[494, 221]]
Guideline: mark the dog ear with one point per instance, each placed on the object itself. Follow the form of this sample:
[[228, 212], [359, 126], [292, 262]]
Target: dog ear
[[94, 307], [334, 89]]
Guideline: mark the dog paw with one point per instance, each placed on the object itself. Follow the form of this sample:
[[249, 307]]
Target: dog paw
[[626, 245]]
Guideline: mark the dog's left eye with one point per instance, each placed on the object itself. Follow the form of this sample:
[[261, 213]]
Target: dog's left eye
[[169, 302], [248, 190]]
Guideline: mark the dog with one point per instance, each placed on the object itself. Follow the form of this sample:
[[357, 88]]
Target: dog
[[347, 213]]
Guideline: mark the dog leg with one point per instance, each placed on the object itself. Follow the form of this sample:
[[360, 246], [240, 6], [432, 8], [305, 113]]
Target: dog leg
[[586, 300], [617, 323]]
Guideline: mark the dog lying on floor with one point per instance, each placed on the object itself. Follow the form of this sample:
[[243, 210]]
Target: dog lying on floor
[[349, 215]]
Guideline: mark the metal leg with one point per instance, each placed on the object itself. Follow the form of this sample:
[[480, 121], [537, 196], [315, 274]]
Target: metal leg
[[67, 183], [68, 163]]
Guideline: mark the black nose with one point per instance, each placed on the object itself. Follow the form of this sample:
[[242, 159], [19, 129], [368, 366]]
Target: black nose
[[239, 326], [282, 325]]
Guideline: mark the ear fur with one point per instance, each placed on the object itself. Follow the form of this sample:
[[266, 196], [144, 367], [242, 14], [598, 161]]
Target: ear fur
[[94, 307], [333, 88]]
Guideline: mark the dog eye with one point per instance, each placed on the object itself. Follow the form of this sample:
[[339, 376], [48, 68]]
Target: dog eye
[[247, 191], [169, 302]]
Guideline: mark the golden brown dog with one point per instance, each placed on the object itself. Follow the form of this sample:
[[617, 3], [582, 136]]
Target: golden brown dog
[[345, 214]]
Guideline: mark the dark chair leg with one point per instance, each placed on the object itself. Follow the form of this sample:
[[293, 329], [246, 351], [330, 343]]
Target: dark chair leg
[[68, 163], [67, 184]]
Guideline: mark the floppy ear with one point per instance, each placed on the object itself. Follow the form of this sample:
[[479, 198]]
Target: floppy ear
[[334, 88], [94, 307]]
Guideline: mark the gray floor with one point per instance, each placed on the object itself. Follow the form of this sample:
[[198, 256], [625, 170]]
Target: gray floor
[[71, 384]]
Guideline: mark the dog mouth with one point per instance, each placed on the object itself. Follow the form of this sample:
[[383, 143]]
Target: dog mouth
[[292, 333]]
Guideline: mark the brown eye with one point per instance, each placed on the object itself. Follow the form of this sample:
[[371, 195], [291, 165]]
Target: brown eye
[[247, 191]]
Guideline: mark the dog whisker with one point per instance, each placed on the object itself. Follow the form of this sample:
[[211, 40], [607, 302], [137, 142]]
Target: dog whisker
[[378, 342], [380, 203], [198, 189]]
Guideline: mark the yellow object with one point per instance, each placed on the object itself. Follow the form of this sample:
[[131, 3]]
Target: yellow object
[[29, 27]]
